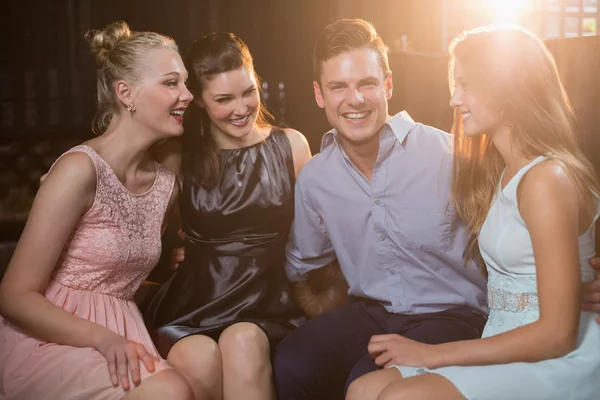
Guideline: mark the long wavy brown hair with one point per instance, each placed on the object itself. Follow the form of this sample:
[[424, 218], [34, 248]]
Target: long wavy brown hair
[[209, 56], [514, 71]]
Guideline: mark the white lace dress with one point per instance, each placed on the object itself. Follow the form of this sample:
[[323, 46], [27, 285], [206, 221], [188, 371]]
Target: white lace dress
[[512, 294]]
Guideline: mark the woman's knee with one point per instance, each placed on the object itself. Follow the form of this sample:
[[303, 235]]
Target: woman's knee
[[422, 387], [194, 355], [245, 350], [371, 385], [165, 384], [244, 339], [359, 389]]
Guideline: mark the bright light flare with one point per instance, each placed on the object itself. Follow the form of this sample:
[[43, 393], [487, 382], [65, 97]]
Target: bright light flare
[[507, 11]]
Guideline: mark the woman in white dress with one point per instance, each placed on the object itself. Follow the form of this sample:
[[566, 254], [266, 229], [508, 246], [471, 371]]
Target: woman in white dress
[[529, 197]]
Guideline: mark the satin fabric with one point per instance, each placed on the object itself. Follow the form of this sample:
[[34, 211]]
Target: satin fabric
[[235, 236]]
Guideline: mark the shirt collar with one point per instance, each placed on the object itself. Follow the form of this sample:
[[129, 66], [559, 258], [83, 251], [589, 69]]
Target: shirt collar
[[400, 124]]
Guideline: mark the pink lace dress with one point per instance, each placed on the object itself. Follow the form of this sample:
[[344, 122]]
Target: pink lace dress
[[107, 257]]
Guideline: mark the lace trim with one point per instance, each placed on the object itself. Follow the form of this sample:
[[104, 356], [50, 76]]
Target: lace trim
[[502, 300]]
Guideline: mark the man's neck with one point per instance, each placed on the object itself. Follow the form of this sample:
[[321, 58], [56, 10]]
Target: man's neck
[[363, 155]]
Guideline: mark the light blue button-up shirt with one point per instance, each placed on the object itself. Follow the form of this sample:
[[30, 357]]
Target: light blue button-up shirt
[[397, 238]]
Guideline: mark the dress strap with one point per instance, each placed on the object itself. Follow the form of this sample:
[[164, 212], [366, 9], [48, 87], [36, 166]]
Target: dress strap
[[98, 164], [510, 190]]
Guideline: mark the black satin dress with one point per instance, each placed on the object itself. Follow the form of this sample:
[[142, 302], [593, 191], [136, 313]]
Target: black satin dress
[[235, 236]]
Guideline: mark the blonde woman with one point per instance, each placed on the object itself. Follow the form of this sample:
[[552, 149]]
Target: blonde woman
[[69, 327], [529, 198]]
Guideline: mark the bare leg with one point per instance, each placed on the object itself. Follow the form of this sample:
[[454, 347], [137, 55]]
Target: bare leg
[[166, 384], [369, 386], [247, 371], [422, 387], [198, 359]]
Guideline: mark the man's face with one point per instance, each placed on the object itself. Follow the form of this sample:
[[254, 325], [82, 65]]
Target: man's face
[[354, 92]]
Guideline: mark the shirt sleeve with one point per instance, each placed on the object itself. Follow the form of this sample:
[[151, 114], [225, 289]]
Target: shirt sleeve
[[308, 247]]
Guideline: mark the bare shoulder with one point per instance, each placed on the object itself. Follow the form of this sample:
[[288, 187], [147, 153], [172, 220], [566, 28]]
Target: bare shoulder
[[300, 148], [547, 178], [296, 138], [547, 193], [69, 187], [75, 168]]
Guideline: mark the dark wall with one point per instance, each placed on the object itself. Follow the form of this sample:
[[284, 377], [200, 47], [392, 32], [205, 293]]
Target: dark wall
[[47, 72], [578, 62]]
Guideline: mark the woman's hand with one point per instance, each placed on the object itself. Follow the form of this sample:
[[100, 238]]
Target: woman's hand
[[178, 253], [394, 349], [590, 292], [123, 358]]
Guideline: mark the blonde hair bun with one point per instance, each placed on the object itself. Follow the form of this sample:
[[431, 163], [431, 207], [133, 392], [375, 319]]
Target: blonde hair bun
[[103, 41]]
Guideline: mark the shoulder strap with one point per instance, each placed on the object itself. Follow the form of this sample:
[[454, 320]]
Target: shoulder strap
[[510, 190]]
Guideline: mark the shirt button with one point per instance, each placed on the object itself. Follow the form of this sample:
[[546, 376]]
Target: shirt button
[[392, 272], [382, 238], [377, 202]]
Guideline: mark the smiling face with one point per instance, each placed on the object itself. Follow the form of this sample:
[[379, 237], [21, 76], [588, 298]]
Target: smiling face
[[477, 114], [232, 102], [161, 95], [354, 92]]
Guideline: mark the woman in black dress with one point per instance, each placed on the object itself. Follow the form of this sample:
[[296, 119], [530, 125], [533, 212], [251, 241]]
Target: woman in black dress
[[230, 298]]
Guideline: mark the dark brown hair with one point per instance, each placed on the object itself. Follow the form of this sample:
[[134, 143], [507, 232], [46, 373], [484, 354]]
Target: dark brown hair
[[345, 35], [210, 56]]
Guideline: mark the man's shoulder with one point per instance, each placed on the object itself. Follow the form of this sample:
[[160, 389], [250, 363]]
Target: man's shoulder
[[319, 165], [433, 132], [428, 137], [407, 130]]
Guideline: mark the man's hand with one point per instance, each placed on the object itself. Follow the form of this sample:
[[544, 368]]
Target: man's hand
[[325, 290], [591, 290], [394, 349]]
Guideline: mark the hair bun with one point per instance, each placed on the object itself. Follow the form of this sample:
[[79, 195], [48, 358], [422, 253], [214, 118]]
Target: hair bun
[[102, 42]]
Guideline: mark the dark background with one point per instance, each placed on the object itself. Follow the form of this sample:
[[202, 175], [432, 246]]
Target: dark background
[[47, 74]]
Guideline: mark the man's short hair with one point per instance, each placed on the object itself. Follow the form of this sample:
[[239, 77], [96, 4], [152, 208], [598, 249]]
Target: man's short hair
[[345, 35]]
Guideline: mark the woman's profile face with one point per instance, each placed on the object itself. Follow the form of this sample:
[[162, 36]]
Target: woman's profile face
[[477, 115], [161, 97]]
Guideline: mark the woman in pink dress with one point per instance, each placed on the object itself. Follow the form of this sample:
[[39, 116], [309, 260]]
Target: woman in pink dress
[[69, 328]]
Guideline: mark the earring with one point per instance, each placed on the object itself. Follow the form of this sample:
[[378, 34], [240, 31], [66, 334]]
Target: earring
[[131, 107], [201, 124]]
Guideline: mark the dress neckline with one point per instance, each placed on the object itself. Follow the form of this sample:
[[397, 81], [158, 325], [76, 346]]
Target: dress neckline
[[264, 140], [112, 171], [517, 176]]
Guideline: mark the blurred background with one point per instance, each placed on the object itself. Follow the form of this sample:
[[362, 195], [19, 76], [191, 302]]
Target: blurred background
[[47, 76]]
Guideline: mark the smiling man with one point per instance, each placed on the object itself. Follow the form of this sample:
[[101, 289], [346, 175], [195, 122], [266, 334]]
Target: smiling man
[[376, 198]]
